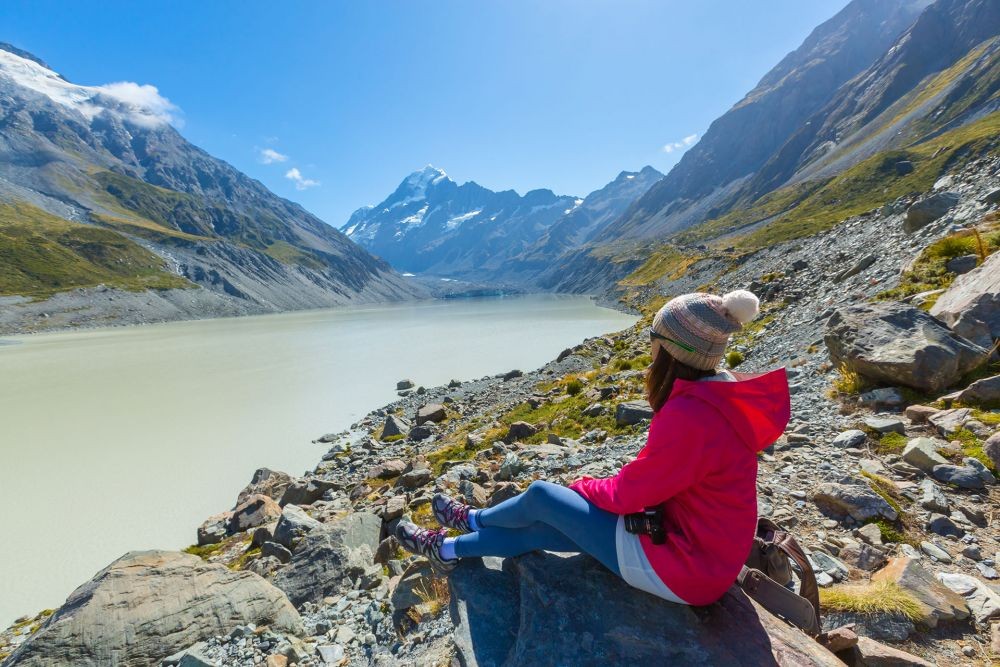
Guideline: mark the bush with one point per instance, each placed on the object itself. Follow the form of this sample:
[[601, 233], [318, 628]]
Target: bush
[[574, 387], [734, 358], [848, 381]]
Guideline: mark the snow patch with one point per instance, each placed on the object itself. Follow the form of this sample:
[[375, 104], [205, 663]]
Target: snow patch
[[141, 104], [455, 222]]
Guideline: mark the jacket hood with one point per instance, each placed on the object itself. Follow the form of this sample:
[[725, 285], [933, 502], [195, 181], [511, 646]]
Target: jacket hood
[[757, 406]]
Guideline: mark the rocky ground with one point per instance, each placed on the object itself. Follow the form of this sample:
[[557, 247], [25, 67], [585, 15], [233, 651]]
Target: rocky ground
[[886, 474]]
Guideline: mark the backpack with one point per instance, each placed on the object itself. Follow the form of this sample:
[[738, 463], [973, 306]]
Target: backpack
[[768, 572]]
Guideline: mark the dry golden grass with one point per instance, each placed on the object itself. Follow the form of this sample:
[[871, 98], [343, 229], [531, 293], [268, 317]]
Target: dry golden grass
[[881, 597], [847, 383]]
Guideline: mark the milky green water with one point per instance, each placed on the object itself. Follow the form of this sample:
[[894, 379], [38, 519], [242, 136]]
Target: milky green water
[[121, 439]]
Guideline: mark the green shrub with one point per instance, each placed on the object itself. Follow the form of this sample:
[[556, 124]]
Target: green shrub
[[734, 358], [574, 387]]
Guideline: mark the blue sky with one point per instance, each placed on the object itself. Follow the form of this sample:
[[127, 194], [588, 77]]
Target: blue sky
[[518, 94]]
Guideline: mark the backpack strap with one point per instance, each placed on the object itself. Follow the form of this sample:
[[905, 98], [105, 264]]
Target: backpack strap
[[808, 588], [779, 600]]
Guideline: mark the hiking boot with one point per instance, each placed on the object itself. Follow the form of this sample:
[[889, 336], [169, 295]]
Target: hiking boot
[[425, 543], [450, 513]]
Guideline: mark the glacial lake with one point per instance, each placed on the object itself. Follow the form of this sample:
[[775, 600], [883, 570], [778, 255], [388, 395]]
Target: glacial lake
[[114, 440]]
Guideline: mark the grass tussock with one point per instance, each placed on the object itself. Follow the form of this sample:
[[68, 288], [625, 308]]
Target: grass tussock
[[848, 383], [434, 597], [891, 443], [205, 551], [734, 358], [881, 597]]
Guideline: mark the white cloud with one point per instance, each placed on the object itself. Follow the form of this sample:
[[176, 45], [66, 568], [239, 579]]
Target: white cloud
[[684, 143], [143, 104], [301, 183], [270, 156]]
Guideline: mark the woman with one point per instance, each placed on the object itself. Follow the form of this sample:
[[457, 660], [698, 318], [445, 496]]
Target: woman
[[699, 465]]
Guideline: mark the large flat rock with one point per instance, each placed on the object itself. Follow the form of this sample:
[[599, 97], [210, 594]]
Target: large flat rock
[[549, 609], [971, 306], [150, 604]]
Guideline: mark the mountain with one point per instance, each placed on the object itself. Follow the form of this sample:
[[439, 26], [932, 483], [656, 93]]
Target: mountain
[[97, 187], [746, 137], [430, 224]]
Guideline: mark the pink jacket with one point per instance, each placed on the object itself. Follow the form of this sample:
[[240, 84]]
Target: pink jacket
[[700, 462]]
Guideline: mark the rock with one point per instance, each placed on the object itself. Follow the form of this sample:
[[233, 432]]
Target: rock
[[329, 557], [539, 609], [473, 494], [889, 626], [942, 525], [932, 498], [565, 353], [257, 510], [824, 562], [594, 410], [963, 264], [263, 534], [992, 197], [965, 477], [862, 556], [982, 392], [267, 482], [632, 412], [983, 601], [275, 660], [306, 491], [510, 466], [992, 449], [871, 534], [520, 431], [922, 453], [150, 604], [901, 345], [331, 654], [453, 384], [394, 508], [927, 209], [882, 398], [265, 566], [854, 500], [937, 602], [950, 422], [935, 552], [839, 639], [214, 529], [904, 167], [275, 550], [510, 375], [196, 656], [432, 412], [980, 467], [503, 491], [415, 478], [873, 654], [293, 525], [416, 580], [421, 432], [404, 384], [388, 469], [394, 426], [971, 306], [885, 425], [918, 414], [859, 266], [851, 439]]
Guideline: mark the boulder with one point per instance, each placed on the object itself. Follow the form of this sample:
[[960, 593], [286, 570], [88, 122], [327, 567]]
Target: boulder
[[919, 414], [950, 422], [870, 653], [962, 264], [293, 526], [256, 510], [971, 306], [851, 439], [982, 392], [885, 425], [983, 601], [267, 482], [151, 604], [539, 609], [992, 449], [632, 412], [520, 431], [922, 453], [404, 384], [932, 498], [306, 491], [432, 412], [965, 477], [416, 580], [927, 209], [394, 426], [937, 602], [854, 500], [415, 478], [329, 557], [214, 529], [897, 344], [388, 469]]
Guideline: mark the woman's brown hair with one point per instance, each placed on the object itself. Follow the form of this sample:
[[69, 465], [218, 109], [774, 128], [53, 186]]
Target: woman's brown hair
[[661, 374]]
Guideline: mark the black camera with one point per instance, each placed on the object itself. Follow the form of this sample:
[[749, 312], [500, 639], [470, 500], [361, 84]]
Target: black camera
[[647, 522]]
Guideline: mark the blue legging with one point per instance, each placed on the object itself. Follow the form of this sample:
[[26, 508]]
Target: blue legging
[[546, 516]]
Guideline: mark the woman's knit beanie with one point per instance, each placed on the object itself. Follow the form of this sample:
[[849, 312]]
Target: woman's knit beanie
[[703, 322]]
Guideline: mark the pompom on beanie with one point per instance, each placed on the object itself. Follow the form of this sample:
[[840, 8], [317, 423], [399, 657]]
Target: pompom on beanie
[[703, 322]]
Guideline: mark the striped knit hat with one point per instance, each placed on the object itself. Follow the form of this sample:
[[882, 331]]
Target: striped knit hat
[[699, 325]]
